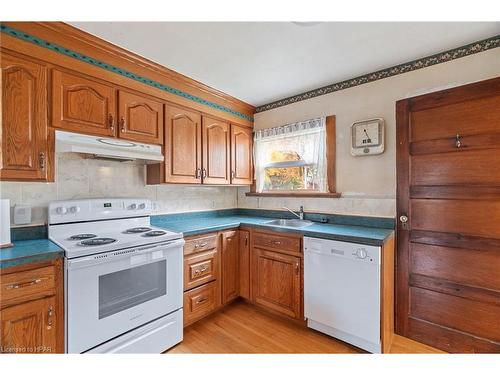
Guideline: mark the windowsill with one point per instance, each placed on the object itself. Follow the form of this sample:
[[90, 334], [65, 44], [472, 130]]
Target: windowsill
[[294, 194]]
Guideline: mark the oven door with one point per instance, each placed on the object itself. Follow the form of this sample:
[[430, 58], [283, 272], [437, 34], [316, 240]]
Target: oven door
[[112, 293]]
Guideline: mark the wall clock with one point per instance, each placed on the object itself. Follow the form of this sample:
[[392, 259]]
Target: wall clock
[[367, 137]]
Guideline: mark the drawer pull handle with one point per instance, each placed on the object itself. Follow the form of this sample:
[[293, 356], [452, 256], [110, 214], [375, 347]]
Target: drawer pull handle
[[200, 271], [276, 242], [22, 285], [122, 125], [41, 160], [198, 245], [110, 122], [202, 300]]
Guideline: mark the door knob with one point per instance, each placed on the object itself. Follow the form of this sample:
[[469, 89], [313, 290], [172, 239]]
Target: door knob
[[404, 221]]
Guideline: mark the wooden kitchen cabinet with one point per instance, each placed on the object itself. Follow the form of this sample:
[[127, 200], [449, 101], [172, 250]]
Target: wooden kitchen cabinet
[[230, 266], [140, 117], [182, 146], [24, 134], [276, 282], [83, 105], [241, 155], [216, 151], [31, 303], [244, 262]]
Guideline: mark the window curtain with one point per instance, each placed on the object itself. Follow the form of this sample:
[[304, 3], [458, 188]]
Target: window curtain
[[306, 138]]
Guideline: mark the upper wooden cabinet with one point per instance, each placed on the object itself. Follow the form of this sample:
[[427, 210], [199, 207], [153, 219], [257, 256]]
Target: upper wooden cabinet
[[241, 155], [83, 105], [230, 266], [216, 151], [182, 146], [141, 118], [24, 153]]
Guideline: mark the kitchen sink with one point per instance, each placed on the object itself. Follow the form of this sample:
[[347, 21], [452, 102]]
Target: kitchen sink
[[293, 223]]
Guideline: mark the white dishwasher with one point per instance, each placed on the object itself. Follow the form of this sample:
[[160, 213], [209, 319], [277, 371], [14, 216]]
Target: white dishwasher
[[342, 291]]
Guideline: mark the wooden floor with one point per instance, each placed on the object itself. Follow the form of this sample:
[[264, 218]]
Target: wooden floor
[[242, 328]]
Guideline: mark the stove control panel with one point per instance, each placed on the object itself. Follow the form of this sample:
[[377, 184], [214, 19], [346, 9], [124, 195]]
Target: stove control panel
[[97, 209]]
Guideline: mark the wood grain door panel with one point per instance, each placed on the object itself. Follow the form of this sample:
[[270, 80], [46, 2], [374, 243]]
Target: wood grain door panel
[[29, 327], [182, 146], [230, 266], [83, 105], [448, 257], [276, 282], [24, 141], [241, 155], [141, 118], [216, 151], [457, 118], [244, 268], [469, 217], [475, 267], [457, 168]]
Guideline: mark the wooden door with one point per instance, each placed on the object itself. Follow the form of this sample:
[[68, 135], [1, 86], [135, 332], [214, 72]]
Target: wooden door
[[24, 134], [241, 155], [244, 268], [29, 327], [182, 146], [83, 105], [448, 207], [141, 118], [276, 282], [230, 266], [216, 151]]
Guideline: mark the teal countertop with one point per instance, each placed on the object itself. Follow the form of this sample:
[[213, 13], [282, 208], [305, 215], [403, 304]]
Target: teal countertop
[[29, 251], [200, 225]]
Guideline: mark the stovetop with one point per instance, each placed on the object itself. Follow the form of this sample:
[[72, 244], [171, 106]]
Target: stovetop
[[88, 238]]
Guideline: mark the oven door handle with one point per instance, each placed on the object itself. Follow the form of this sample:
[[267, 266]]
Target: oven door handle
[[116, 255]]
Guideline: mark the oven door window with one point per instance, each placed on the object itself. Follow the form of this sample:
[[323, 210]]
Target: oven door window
[[124, 289]]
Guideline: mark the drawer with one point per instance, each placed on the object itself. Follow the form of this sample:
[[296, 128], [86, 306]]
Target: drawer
[[278, 242], [200, 268], [198, 244], [26, 285], [200, 302]]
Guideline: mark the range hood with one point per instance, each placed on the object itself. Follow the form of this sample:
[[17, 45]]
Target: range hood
[[107, 148]]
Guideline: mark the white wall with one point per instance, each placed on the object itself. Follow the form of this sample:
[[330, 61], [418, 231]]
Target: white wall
[[368, 184], [79, 177]]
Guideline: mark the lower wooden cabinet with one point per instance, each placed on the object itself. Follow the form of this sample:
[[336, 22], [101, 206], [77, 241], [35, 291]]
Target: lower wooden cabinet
[[277, 282], [230, 266], [201, 301], [31, 315]]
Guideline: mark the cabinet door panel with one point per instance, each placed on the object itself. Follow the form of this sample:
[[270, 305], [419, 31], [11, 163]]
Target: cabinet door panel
[[241, 155], [29, 327], [83, 105], [276, 282], [182, 146], [244, 264], [230, 266], [141, 118], [24, 120], [216, 152]]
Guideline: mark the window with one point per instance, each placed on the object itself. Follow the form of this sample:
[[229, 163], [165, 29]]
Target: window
[[293, 158]]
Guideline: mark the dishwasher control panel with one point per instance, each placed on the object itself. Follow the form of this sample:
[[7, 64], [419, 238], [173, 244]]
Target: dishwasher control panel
[[353, 251]]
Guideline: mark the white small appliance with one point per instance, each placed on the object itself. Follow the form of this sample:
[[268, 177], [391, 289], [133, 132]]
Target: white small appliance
[[123, 277], [342, 291], [5, 223]]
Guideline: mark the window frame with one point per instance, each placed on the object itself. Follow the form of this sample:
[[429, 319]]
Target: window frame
[[330, 167]]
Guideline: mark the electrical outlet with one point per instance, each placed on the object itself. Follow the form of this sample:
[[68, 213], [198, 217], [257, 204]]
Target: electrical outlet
[[213, 204]]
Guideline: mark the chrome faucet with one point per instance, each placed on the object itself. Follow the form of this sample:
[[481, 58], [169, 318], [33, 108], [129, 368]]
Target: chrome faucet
[[300, 215]]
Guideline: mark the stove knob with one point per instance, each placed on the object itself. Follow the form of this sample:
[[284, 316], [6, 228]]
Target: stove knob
[[361, 253], [74, 209], [61, 210], [142, 206], [133, 206]]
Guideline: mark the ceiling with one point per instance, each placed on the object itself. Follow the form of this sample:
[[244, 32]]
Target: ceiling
[[260, 62]]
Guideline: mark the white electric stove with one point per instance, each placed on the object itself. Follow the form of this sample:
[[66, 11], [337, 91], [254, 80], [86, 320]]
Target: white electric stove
[[123, 277]]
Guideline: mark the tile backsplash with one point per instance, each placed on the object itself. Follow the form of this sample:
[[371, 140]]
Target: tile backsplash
[[81, 177]]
